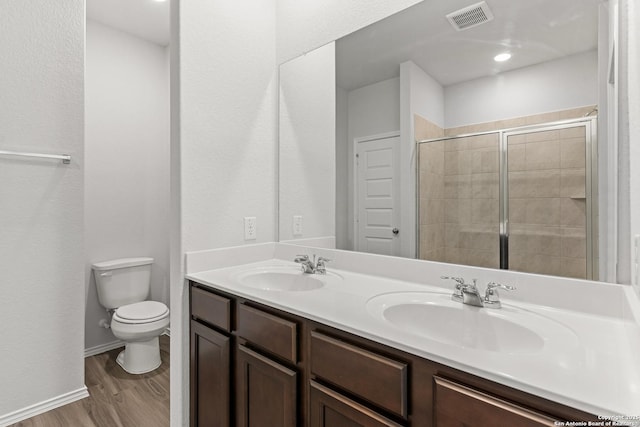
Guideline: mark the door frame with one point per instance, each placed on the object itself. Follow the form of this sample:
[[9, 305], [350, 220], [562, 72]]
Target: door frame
[[354, 177]]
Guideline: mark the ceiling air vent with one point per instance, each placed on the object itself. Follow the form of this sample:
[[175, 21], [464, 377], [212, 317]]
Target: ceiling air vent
[[470, 16]]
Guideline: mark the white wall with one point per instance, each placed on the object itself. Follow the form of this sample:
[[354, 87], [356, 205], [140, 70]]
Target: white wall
[[127, 161], [573, 81], [225, 140], [419, 94], [374, 109], [371, 110], [307, 175], [427, 96], [342, 168], [634, 137], [228, 126], [41, 205]]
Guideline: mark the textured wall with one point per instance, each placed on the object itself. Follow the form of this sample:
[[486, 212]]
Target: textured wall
[[228, 123], [41, 202], [127, 161], [308, 144]]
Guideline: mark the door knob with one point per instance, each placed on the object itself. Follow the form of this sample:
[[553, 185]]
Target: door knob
[[395, 231]]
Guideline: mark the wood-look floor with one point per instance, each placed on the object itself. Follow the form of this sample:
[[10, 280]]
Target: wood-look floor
[[117, 399]]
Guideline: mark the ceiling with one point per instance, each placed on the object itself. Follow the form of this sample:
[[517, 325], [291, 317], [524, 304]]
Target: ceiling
[[534, 31], [147, 19]]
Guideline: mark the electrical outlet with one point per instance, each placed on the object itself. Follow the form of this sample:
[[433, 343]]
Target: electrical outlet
[[297, 225], [250, 228]]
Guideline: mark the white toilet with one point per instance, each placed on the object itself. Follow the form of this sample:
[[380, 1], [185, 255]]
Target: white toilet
[[123, 286]]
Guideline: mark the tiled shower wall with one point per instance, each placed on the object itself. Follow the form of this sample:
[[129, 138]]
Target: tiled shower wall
[[459, 196]]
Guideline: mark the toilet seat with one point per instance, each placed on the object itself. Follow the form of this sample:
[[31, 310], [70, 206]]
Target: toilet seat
[[141, 312]]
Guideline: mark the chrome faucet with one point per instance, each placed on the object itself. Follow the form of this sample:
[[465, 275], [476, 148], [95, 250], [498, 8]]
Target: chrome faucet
[[469, 294], [491, 296], [312, 266]]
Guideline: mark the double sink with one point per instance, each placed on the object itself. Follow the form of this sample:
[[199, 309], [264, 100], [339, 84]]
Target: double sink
[[430, 315]]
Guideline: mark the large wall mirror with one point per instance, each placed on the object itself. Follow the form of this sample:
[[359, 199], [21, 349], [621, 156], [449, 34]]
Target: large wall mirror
[[460, 132]]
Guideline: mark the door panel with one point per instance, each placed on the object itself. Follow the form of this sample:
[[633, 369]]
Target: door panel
[[210, 383], [331, 409], [378, 211], [266, 393]]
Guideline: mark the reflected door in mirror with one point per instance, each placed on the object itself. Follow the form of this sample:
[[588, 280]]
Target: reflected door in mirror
[[378, 201]]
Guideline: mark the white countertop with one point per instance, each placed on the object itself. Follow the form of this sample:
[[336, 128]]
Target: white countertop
[[596, 370]]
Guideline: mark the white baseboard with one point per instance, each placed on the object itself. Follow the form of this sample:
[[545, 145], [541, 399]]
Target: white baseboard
[[42, 407], [92, 351]]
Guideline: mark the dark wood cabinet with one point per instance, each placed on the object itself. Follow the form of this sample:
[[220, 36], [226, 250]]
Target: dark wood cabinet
[[290, 371], [329, 408], [266, 391], [457, 405], [210, 372], [350, 368]]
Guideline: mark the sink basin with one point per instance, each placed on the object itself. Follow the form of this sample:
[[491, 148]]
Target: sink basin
[[435, 316], [283, 279]]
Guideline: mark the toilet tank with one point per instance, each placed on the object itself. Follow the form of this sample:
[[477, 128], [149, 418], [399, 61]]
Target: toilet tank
[[122, 281]]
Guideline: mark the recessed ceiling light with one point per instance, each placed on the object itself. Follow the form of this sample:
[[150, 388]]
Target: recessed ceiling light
[[502, 57]]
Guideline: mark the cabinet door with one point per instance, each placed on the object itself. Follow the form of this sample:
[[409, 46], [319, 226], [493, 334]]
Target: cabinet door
[[266, 392], [331, 409], [459, 406], [210, 386]]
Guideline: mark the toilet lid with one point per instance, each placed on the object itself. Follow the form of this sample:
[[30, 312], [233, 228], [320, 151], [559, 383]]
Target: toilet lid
[[141, 312]]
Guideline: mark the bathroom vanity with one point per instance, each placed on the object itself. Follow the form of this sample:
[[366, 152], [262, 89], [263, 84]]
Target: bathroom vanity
[[272, 346], [261, 366]]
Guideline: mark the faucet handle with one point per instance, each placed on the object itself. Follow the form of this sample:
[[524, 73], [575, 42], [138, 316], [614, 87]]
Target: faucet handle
[[301, 258], [458, 280], [320, 264], [491, 296], [492, 285], [457, 293]]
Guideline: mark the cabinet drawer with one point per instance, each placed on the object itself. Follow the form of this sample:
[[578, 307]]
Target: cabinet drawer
[[378, 379], [211, 308], [267, 331], [456, 405]]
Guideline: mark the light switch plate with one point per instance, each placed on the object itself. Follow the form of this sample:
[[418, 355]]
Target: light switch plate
[[250, 228], [297, 225]]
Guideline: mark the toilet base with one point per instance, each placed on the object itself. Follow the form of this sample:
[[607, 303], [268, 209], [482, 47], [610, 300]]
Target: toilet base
[[140, 357]]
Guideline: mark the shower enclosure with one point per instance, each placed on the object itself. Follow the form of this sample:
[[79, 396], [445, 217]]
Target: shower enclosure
[[521, 199]]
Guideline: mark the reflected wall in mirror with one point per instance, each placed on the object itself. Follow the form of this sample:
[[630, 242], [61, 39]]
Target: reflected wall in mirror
[[442, 153]]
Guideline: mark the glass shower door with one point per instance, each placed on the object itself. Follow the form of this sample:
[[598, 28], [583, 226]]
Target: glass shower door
[[459, 200], [546, 208]]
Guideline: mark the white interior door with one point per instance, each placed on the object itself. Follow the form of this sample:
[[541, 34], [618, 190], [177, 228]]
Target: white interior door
[[378, 196]]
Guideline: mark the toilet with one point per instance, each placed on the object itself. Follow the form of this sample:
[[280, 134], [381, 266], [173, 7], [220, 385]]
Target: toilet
[[123, 286]]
